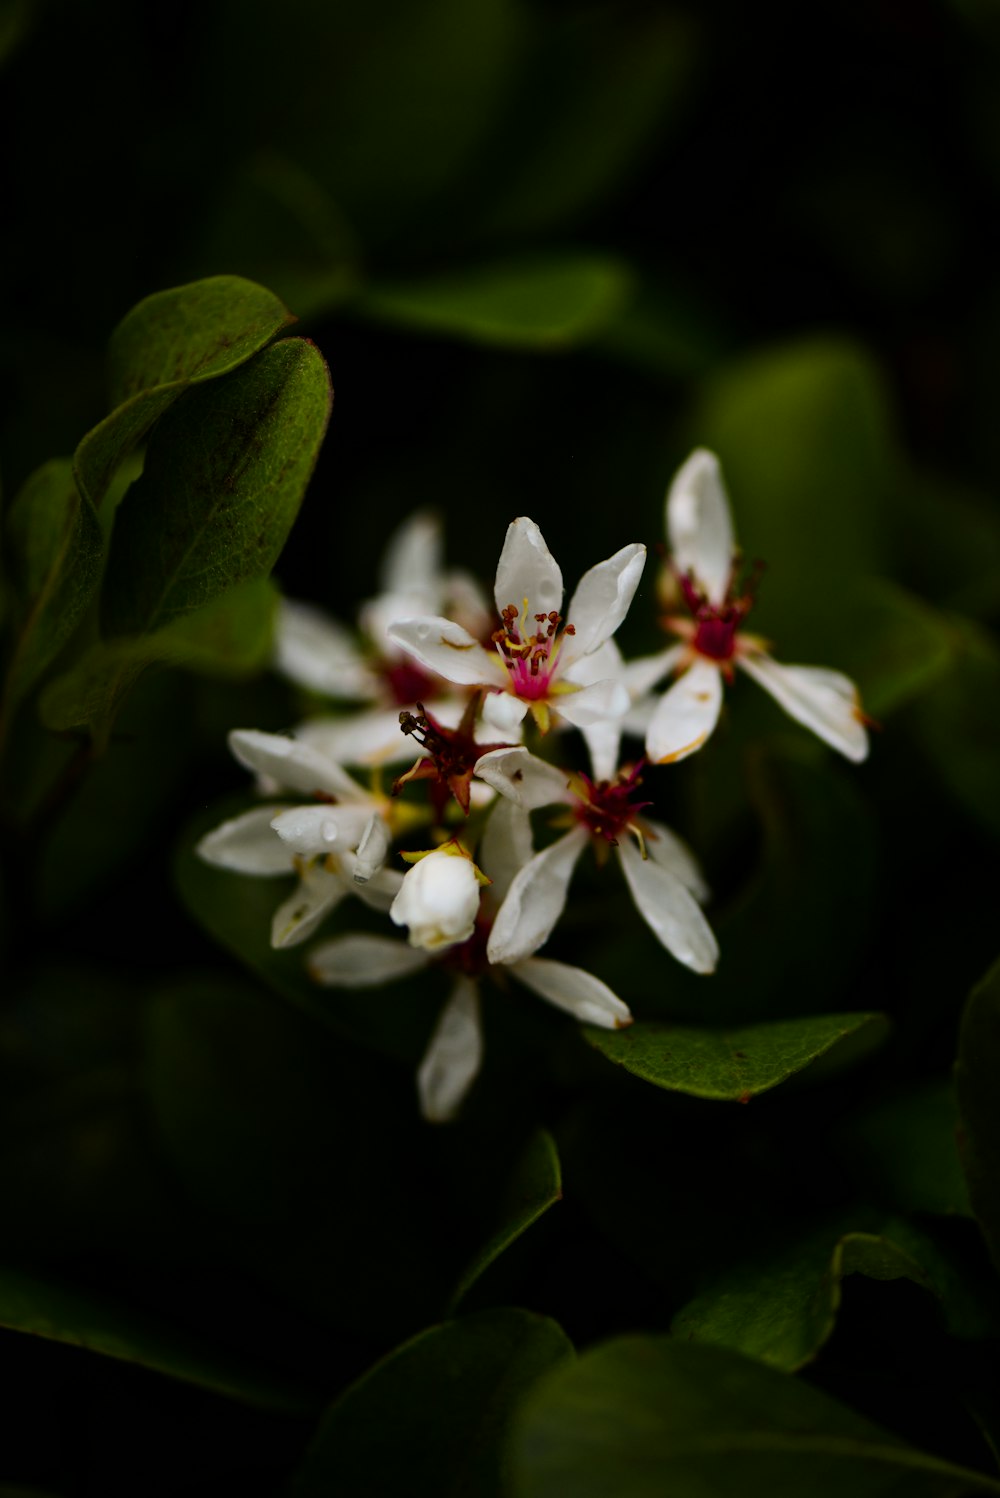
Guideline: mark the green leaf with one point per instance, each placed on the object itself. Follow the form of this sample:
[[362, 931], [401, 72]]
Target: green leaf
[[44, 1308], [169, 341], [665, 331], [54, 554], [958, 727], [596, 93], [976, 1072], [231, 636], [805, 442], [307, 1155], [894, 646], [641, 1417], [905, 1150], [225, 474], [730, 1065], [431, 1419], [275, 223], [783, 1309], [532, 304], [535, 1186]]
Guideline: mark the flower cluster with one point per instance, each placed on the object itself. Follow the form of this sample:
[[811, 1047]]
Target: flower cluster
[[434, 672]]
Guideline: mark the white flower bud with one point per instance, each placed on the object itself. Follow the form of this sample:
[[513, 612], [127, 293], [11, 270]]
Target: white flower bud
[[438, 900]]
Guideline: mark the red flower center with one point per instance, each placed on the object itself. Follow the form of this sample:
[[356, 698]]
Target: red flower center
[[716, 624], [607, 807], [407, 683]]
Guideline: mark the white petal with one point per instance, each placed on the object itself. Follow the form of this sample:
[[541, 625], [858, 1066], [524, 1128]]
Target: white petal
[[596, 703], [505, 848], [366, 738], [320, 891], [602, 600], [685, 715], [379, 891], [379, 614], [466, 603], [825, 701], [452, 1060], [581, 994], [292, 763], [449, 650], [671, 913], [647, 671], [535, 900], [316, 652], [699, 525], [503, 713], [308, 830], [373, 849], [411, 562], [363, 961], [673, 854], [438, 901], [527, 570], [603, 739], [523, 778], [604, 743], [247, 844]]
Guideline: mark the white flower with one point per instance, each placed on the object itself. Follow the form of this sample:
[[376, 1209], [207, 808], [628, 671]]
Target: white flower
[[337, 845], [454, 1054], [700, 532], [537, 660], [319, 653], [662, 875], [438, 899]]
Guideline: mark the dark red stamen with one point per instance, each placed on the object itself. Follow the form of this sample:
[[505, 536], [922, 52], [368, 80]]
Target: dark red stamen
[[451, 755], [608, 807], [469, 957], [716, 625]]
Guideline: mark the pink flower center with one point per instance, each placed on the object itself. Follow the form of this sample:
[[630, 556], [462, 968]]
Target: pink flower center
[[530, 658], [716, 624], [607, 808]]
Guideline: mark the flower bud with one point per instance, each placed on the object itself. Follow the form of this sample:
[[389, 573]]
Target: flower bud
[[439, 900]]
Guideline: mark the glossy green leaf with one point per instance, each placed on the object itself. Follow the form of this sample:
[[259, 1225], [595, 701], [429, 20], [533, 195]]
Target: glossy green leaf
[[536, 1185], [730, 1065], [225, 474], [169, 341], [431, 1420], [783, 1309], [641, 1417], [54, 554], [230, 636], [44, 1308], [541, 303], [976, 1073], [236, 910], [804, 438]]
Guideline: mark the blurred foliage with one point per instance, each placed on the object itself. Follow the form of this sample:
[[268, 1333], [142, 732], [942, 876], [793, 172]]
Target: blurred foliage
[[545, 247]]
